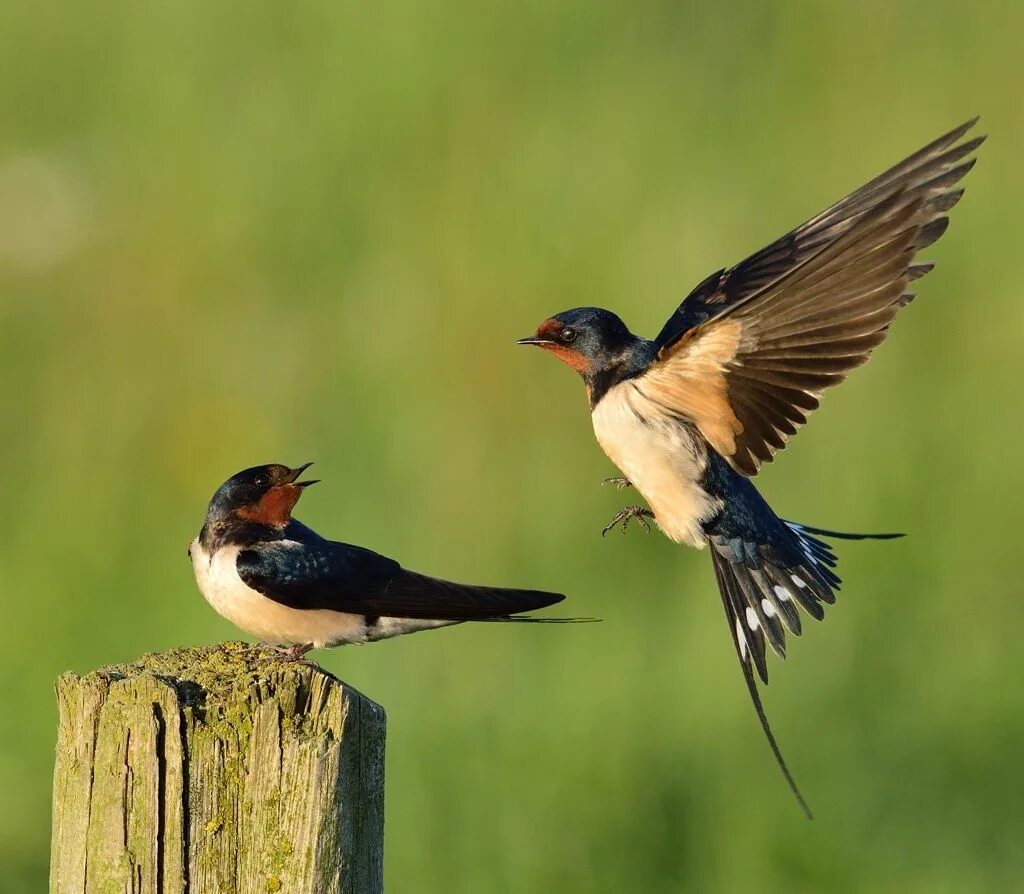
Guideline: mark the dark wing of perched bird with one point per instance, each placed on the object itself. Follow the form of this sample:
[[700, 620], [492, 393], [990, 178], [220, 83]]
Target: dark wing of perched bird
[[320, 574], [748, 353]]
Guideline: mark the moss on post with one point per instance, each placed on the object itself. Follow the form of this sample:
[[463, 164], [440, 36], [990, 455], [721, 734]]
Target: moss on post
[[219, 769]]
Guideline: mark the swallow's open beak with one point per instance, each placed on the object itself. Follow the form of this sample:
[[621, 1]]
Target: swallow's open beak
[[534, 340], [296, 472]]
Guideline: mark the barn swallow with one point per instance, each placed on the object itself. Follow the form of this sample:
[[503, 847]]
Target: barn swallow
[[690, 416], [276, 579]]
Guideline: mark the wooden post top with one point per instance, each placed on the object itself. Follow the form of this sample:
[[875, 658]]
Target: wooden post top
[[218, 768], [212, 667]]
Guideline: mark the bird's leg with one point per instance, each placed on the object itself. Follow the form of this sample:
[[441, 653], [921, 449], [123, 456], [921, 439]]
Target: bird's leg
[[619, 483], [640, 513], [295, 653], [288, 653]]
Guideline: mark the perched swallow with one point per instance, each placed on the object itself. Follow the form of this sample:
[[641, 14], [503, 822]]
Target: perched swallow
[[690, 416], [278, 580]]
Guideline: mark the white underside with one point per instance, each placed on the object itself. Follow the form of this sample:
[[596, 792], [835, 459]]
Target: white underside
[[661, 458], [270, 621]]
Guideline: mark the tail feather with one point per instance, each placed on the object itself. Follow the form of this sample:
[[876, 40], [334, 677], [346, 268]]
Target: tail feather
[[529, 619], [764, 572], [783, 583], [785, 608], [730, 599], [843, 535], [760, 611]]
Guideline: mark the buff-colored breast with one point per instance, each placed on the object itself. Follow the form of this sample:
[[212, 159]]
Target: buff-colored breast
[[661, 457]]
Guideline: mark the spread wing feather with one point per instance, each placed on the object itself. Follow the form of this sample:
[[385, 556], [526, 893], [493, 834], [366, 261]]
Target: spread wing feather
[[748, 354]]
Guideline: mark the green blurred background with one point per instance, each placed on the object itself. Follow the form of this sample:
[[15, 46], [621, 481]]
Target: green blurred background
[[237, 233]]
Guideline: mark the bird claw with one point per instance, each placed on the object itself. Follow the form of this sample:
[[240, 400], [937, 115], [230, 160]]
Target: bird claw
[[288, 653], [619, 483], [640, 513], [295, 653]]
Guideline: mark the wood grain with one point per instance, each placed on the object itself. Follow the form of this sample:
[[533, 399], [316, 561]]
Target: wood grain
[[219, 769]]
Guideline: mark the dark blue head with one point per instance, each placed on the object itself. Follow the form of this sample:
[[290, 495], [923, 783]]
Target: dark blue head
[[263, 494], [596, 344], [588, 339]]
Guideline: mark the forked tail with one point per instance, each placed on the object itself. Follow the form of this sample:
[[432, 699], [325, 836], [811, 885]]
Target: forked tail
[[766, 567]]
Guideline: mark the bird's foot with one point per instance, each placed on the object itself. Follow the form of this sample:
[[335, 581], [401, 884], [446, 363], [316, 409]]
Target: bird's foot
[[640, 513], [288, 653], [619, 483], [295, 653]]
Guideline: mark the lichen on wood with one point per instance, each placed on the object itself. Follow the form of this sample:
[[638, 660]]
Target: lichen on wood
[[219, 769]]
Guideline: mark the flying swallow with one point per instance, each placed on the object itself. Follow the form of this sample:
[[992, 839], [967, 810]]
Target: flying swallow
[[690, 416], [278, 580]]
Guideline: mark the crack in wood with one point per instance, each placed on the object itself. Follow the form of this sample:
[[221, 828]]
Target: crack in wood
[[216, 769]]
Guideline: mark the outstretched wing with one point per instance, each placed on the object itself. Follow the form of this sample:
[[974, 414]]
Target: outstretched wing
[[323, 574], [749, 352]]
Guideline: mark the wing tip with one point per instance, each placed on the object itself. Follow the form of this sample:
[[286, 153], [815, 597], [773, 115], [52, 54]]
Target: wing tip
[[931, 232], [536, 599], [957, 132]]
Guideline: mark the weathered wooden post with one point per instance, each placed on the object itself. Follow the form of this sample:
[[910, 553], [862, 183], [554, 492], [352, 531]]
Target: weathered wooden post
[[219, 770]]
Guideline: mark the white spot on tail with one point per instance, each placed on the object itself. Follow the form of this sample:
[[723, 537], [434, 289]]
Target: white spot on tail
[[751, 618], [798, 581], [782, 593], [769, 609], [741, 639]]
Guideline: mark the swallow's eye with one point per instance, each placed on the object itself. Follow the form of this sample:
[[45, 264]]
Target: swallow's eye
[[262, 481], [567, 335]]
